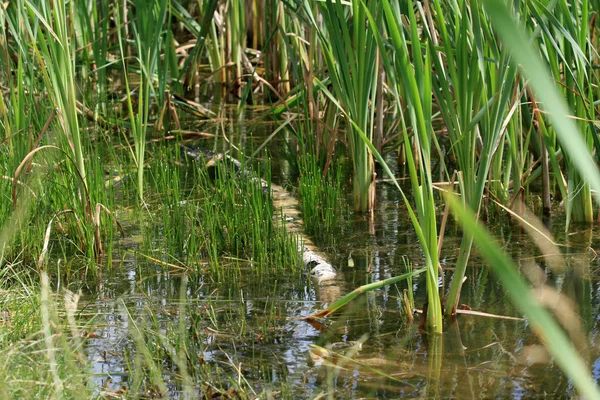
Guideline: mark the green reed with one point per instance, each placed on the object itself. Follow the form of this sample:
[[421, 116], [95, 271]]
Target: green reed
[[322, 200], [271, 36], [236, 219], [564, 36], [50, 33], [236, 39], [525, 55], [349, 49], [94, 39], [208, 40], [474, 96], [49, 104], [413, 82], [150, 17]]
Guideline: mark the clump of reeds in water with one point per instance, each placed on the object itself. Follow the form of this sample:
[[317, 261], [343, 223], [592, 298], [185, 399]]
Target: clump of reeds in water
[[322, 201], [236, 219]]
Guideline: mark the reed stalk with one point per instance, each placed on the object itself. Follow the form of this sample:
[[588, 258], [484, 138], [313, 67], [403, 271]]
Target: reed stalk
[[48, 26], [58, 71], [235, 30], [349, 48], [151, 15], [283, 62], [566, 47], [573, 144], [473, 97], [413, 84]]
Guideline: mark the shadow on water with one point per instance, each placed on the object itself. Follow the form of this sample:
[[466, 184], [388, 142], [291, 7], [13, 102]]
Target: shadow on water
[[249, 324]]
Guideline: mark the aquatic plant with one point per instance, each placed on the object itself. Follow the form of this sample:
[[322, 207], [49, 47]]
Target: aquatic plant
[[58, 73], [474, 98], [150, 15], [525, 55], [237, 219], [565, 43], [349, 48], [413, 84], [323, 206], [48, 23]]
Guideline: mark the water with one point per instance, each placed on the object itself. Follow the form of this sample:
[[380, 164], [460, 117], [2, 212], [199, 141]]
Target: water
[[250, 327]]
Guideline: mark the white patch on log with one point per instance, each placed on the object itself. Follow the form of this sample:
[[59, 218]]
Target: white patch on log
[[321, 270]]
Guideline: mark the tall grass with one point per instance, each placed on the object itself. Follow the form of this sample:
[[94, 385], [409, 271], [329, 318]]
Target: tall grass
[[150, 17], [349, 49], [57, 63], [564, 35], [413, 83], [47, 25], [474, 96]]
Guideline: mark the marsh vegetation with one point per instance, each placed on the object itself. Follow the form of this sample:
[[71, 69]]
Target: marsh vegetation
[[441, 155]]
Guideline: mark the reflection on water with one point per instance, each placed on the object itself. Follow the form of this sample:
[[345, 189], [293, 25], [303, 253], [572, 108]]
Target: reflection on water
[[367, 349], [257, 322]]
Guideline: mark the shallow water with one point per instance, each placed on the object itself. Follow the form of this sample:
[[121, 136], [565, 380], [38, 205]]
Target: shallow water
[[371, 350]]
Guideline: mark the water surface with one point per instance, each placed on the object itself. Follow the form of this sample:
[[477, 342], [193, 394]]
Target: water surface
[[369, 349]]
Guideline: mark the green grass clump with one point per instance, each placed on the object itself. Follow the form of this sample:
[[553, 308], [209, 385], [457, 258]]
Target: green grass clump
[[236, 219], [324, 207], [349, 47]]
